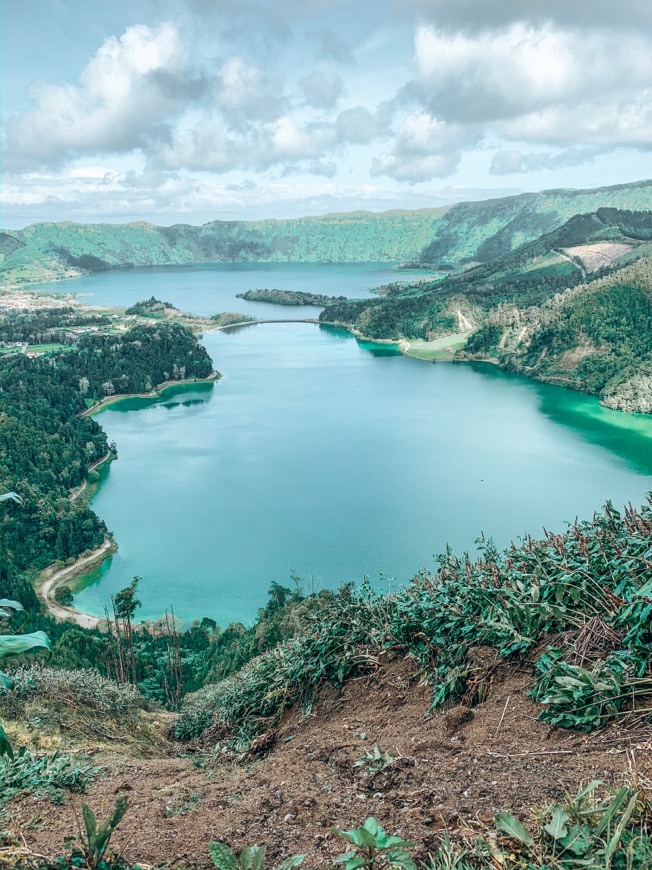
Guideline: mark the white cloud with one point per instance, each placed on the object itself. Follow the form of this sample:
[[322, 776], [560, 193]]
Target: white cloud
[[540, 84], [128, 93], [321, 91], [287, 140], [167, 197], [425, 147], [467, 90], [510, 162], [210, 145], [479, 15], [356, 125], [245, 89]]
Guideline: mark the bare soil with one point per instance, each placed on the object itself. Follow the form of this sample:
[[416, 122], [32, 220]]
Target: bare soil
[[599, 254], [449, 770]]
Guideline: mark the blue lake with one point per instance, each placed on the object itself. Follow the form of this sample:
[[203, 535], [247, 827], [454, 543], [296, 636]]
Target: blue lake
[[320, 455]]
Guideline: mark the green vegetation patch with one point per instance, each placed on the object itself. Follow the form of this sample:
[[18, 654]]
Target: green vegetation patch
[[231, 318], [289, 297], [439, 349], [591, 585]]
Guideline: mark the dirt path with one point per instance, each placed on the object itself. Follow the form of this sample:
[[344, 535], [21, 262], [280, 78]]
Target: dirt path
[[77, 491], [47, 588], [572, 261]]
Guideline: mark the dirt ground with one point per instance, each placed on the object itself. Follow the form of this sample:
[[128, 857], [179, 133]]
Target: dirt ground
[[449, 770], [599, 254]]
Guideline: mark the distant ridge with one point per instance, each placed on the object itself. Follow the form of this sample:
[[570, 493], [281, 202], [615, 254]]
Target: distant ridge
[[459, 234]]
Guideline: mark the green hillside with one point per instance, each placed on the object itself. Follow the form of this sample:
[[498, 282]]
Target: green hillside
[[482, 231], [574, 307], [455, 235]]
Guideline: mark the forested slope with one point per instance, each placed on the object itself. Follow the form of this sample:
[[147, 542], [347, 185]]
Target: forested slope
[[573, 306], [462, 233], [46, 447]]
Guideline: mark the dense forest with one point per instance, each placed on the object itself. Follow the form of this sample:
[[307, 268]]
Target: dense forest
[[47, 447], [525, 277], [151, 307], [46, 325]]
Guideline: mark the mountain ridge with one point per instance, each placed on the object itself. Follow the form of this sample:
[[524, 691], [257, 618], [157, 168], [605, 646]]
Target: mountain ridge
[[458, 234]]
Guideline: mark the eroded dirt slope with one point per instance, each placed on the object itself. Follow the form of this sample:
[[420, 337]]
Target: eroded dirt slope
[[450, 769]]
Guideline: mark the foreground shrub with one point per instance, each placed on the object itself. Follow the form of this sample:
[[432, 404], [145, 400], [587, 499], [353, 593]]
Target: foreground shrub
[[597, 574], [48, 774], [86, 688]]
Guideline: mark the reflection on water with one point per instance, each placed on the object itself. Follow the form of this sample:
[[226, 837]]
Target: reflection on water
[[189, 394], [628, 436]]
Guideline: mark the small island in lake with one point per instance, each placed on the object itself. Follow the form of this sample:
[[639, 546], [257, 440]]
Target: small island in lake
[[289, 297], [231, 318]]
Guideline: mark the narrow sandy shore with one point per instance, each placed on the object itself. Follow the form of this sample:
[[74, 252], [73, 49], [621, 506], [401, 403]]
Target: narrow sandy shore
[[75, 493], [47, 587]]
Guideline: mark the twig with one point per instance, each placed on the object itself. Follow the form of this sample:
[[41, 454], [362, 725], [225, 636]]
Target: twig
[[538, 752], [509, 697]]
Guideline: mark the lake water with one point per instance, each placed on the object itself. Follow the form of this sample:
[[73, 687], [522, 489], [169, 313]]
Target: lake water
[[211, 288], [332, 458]]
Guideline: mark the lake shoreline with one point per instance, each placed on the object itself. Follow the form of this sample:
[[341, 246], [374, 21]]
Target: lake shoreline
[[156, 392], [51, 578]]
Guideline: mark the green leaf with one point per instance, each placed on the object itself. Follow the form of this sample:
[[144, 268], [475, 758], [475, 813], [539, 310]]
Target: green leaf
[[5, 745], [290, 863], [5, 681], [90, 823], [556, 827], [387, 842], [223, 856], [355, 836], [588, 789], [401, 860], [615, 840], [98, 837], [371, 824], [253, 857], [15, 644], [513, 828], [578, 840], [605, 822], [368, 840]]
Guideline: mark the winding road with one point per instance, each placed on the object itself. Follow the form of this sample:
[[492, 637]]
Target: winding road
[[47, 589]]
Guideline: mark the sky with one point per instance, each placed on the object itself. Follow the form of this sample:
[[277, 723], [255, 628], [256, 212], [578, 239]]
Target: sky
[[195, 110]]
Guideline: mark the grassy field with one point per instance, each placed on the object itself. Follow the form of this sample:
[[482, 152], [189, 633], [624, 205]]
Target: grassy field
[[47, 348], [439, 350]]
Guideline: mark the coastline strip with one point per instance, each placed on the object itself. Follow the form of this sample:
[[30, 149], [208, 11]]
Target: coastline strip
[[158, 390], [50, 581], [75, 493]]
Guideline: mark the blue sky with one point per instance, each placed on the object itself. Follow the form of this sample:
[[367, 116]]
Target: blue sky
[[194, 110]]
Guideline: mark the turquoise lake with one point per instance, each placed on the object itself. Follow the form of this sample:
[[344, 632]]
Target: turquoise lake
[[211, 288], [332, 458]]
